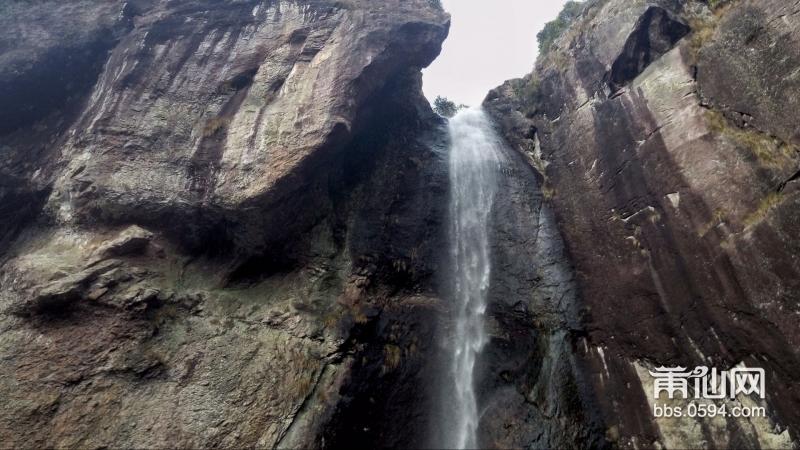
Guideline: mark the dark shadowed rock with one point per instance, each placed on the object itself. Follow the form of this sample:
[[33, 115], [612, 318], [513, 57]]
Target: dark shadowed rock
[[223, 224], [281, 179], [666, 160]]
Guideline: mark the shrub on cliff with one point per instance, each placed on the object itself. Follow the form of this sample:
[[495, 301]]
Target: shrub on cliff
[[553, 29], [446, 108], [529, 93]]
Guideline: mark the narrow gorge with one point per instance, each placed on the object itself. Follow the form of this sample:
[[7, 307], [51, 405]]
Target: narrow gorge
[[239, 223]]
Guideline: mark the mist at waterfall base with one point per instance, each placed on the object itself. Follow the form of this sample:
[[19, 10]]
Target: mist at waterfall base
[[475, 159]]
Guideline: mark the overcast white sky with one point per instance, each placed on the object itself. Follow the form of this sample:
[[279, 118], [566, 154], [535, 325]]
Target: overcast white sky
[[490, 41]]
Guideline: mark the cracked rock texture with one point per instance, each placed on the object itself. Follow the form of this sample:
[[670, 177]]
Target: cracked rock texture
[[223, 223], [664, 134], [220, 223], [226, 226]]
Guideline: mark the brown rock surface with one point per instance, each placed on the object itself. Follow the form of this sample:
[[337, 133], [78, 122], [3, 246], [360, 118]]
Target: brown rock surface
[[672, 184], [222, 224], [188, 188]]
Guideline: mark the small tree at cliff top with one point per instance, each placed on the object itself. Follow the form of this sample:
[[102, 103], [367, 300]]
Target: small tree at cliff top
[[446, 108], [553, 29]]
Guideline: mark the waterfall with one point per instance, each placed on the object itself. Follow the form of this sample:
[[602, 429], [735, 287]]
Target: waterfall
[[475, 159]]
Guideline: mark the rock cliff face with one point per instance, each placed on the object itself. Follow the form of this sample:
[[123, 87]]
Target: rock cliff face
[[220, 223], [663, 134], [225, 226], [224, 223]]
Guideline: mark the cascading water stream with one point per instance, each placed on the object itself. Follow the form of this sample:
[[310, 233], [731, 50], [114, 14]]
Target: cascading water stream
[[475, 160]]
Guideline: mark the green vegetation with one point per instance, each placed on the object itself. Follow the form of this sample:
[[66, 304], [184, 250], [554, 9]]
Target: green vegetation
[[447, 108], [528, 93], [553, 29]]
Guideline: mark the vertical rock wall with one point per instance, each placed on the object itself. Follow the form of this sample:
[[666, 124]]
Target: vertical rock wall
[[221, 223], [662, 136]]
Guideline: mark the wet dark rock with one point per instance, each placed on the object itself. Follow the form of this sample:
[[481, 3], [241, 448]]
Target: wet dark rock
[[656, 32], [665, 174], [233, 214], [528, 382], [233, 218]]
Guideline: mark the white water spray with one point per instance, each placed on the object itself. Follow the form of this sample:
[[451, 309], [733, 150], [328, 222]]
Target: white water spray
[[475, 159]]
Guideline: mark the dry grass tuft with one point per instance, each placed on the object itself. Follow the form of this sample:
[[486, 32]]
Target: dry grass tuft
[[323, 397], [330, 320], [769, 151], [359, 317], [703, 30], [767, 204], [719, 217], [303, 386], [413, 348], [154, 355], [215, 125], [548, 192], [702, 34], [391, 357], [555, 59], [716, 121]]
